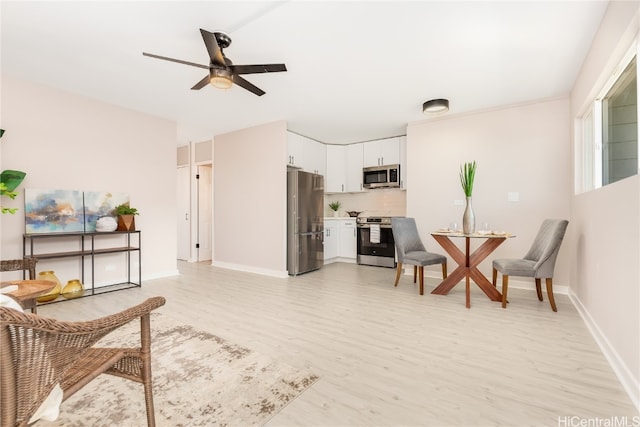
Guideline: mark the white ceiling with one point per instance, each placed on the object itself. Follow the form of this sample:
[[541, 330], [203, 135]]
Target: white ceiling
[[357, 70]]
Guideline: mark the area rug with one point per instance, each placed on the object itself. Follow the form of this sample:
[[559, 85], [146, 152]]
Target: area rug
[[199, 379]]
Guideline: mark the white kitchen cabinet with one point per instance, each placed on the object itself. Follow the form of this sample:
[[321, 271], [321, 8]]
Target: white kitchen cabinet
[[330, 238], [307, 154], [354, 164], [382, 152], [403, 162], [347, 239], [344, 168], [336, 180]]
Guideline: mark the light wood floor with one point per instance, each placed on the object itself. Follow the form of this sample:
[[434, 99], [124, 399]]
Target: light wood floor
[[389, 357]]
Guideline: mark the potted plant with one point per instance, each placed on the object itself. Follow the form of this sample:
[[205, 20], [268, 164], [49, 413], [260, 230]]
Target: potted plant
[[334, 206], [126, 217], [9, 180], [467, 176]]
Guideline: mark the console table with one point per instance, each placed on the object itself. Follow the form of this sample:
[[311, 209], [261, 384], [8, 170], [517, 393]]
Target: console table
[[87, 248]]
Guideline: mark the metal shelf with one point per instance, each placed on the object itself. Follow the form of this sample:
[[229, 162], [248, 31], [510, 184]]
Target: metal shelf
[[88, 249]]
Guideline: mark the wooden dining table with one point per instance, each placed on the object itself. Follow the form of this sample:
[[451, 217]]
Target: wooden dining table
[[468, 262]]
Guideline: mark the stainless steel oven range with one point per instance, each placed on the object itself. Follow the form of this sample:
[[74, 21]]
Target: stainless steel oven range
[[375, 242]]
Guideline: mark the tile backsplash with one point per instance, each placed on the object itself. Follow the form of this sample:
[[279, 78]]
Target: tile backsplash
[[379, 202]]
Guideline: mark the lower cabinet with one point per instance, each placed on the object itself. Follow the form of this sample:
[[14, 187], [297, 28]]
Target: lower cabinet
[[330, 239], [347, 245], [339, 240]]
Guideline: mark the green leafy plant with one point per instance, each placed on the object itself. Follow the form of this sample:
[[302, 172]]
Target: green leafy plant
[[467, 175], [335, 206], [9, 181], [125, 209]]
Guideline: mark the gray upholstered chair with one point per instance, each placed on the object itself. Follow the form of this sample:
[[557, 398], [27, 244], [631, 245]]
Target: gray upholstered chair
[[538, 263], [410, 250]]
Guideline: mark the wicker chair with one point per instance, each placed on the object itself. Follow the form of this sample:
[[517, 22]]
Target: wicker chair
[[36, 353], [24, 264]]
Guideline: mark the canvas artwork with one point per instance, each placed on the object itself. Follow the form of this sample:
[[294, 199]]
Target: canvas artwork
[[66, 211], [100, 203], [53, 211]]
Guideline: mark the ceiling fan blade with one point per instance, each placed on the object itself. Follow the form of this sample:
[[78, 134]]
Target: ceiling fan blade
[[248, 86], [212, 47], [202, 83], [179, 61], [253, 69]]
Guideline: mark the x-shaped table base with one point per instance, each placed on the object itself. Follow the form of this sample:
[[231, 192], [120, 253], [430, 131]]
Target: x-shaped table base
[[468, 266]]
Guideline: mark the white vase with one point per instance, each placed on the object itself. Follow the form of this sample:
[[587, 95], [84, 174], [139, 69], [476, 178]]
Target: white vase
[[468, 219], [335, 213]]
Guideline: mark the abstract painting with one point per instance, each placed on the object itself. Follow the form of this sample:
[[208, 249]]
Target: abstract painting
[[100, 203], [53, 211], [67, 211]]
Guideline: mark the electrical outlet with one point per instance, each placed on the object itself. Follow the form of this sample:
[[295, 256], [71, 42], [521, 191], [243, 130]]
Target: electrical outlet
[[110, 267], [513, 196], [458, 202]]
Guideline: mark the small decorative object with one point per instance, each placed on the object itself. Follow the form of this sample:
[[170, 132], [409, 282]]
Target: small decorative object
[[334, 207], [53, 293], [467, 175], [106, 223], [126, 220], [73, 289], [353, 214]]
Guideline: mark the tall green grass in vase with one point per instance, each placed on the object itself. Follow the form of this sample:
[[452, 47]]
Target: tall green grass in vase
[[467, 175]]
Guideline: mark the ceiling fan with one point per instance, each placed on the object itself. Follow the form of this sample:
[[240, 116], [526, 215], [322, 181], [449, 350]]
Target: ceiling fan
[[222, 72]]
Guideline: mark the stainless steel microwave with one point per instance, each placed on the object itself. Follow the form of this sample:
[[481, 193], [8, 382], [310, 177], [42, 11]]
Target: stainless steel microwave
[[381, 176]]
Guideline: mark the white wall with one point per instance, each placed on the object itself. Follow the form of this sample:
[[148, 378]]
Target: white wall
[[605, 223], [250, 196], [522, 149], [64, 141]]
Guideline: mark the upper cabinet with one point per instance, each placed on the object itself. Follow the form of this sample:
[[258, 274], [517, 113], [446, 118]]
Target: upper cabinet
[[344, 168], [342, 164], [336, 169], [382, 152], [354, 167], [307, 154], [403, 162]]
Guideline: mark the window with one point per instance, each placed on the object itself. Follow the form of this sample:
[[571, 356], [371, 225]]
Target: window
[[610, 132], [620, 128]]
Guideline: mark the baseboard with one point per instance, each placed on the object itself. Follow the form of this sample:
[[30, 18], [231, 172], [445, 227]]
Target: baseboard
[[340, 259], [161, 275], [251, 269], [629, 383]]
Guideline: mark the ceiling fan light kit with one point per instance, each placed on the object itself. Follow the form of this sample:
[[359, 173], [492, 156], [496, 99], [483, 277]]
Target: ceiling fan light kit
[[222, 79], [222, 72], [435, 106]]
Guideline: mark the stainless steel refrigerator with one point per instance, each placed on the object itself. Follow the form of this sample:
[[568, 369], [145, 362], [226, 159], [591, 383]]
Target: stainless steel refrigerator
[[305, 221]]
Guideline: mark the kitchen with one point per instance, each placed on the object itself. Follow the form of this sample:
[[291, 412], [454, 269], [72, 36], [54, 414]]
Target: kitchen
[[364, 203]]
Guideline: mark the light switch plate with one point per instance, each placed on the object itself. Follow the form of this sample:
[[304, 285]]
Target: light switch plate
[[513, 196]]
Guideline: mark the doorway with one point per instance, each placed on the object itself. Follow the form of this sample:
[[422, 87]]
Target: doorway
[[205, 213], [195, 213]]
